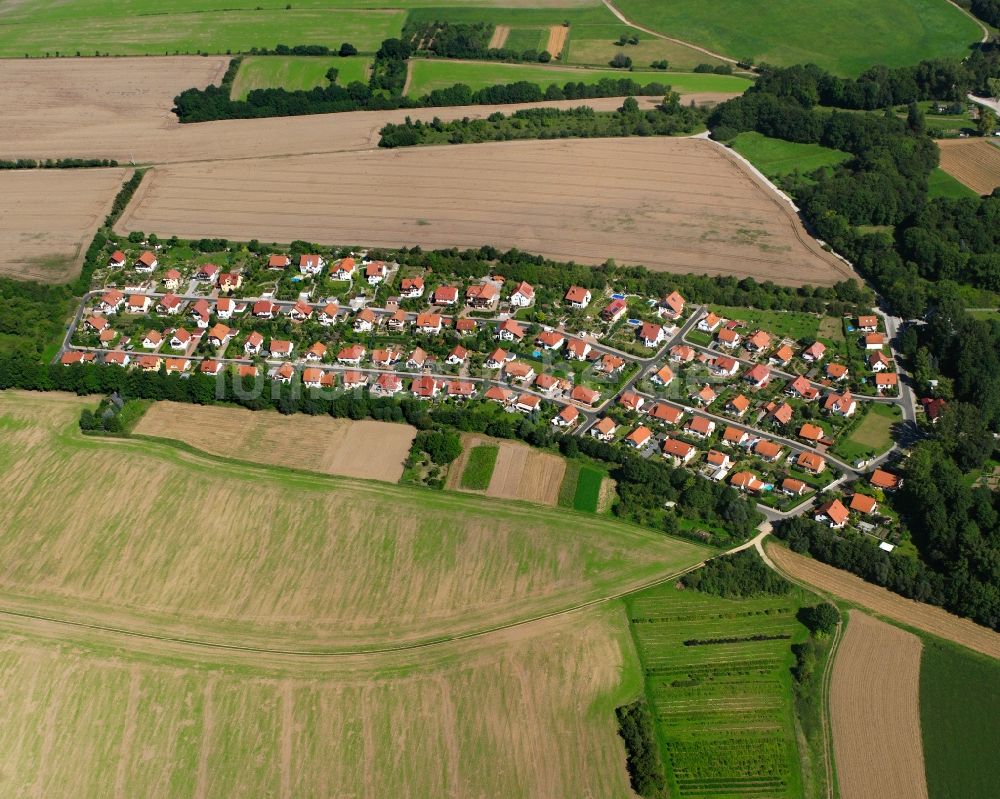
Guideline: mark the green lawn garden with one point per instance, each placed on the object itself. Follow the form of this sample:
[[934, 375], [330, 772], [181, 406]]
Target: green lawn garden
[[845, 37], [873, 435], [479, 468]]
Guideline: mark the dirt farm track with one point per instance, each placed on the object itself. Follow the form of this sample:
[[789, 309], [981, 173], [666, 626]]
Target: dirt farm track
[[670, 204], [875, 712]]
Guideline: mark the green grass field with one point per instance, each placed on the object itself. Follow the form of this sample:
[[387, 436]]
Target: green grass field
[[724, 709], [960, 722], [941, 184], [295, 73], [588, 488], [439, 74], [169, 539], [793, 324], [479, 468], [873, 435], [140, 27], [846, 37], [596, 45], [776, 157], [521, 39]]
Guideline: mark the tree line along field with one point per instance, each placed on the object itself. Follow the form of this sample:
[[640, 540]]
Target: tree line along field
[[428, 75], [680, 205], [723, 707], [296, 73], [845, 37], [149, 536]]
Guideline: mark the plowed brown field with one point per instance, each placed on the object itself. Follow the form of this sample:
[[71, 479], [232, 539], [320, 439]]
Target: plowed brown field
[[875, 712], [48, 217], [681, 205], [557, 39], [120, 108], [914, 614], [316, 443], [975, 162]]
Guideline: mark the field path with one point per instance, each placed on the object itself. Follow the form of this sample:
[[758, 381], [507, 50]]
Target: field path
[[875, 712], [845, 585], [614, 10]]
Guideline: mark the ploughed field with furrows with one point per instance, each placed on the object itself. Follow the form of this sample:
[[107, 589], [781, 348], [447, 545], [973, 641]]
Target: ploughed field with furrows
[[681, 205]]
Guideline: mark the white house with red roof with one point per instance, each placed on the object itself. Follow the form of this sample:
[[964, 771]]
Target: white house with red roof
[[411, 287], [311, 264], [278, 261], [146, 262], [444, 295], [139, 303], [343, 269], [650, 335], [117, 259], [578, 297], [207, 273], [111, 301], [253, 343], [523, 295], [169, 304]]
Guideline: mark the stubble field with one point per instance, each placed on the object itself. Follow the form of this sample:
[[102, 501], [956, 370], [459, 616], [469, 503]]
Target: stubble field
[[143, 536], [49, 217], [120, 108], [522, 472], [524, 713], [367, 449], [974, 162], [875, 712], [682, 205], [96, 107], [882, 601]]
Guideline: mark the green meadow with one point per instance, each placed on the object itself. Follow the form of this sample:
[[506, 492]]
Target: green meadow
[[845, 37], [777, 157], [295, 73]]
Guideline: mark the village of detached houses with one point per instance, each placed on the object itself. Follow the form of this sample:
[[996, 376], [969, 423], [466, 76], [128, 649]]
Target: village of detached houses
[[797, 410]]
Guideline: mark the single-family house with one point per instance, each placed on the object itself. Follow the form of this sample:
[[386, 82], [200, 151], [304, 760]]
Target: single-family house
[[758, 376], [523, 295], [631, 401], [709, 323], [218, 335], [176, 365], [483, 295], [868, 324], [682, 353], [781, 356], [460, 389], [874, 341], [146, 262], [148, 363], [354, 380], [500, 394], [587, 396], [364, 321], [316, 352], [567, 417], [887, 481], [680, 452], [383, 358], [253, 343], [550, 340], [225, 307], [639, 437], [457, 356], [886, 381], [397, 322], [139, 303], [781, 412], [278, 261], [73, 357], [210, 367], [284, 373], [837, 371], [705, 395], [417, 359], [152, 340], [814, 352], [668, 414], [746, 481], [759, 341], [664, 376], [719, 460], [614, 310], [509, 330], [833, 513], [527, 403], [328, 315], [840, 404], [245, 370], [117, 259], [312, 377], [172, 280], [811, 432], [734, 436], [375, 272], [671, 306], [465, 326], [387, 384], [444, 295], [578, 297], [519, 371], [496, 359], [352, 355], [201, 312], [604, 429], [230, 281], [577, 349], [863, 504], [724, 366], [96, 323], [877, 361], [610, 364], [424, 387], [300, 311], [411, 287], [793, 488], [650, 335], [180, 339], [728, 338], [169, 304], [111, 301], [207, 273], [106, 336], [738, 406], [280, 348], [700, 426], [802, 388], [810, 462], [769, 451], [265, 309], [343, 269], [429, 323]]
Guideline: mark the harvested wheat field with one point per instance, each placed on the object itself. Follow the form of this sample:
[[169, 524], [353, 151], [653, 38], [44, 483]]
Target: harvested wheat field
[[117, 115], [679, 205], [875, 712], [367, 449], [520, 713], [139, 535], [522, 472], [49, 217], [931, 619], [499, 37], [975, 162], [96, 107]]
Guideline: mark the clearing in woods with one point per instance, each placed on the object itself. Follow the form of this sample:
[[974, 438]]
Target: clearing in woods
[[314, 443], [49, 218], [682, 205], [171, 542], [882, 601], [845, 37], [974, 162], [875, 712], [295, 73], [519, 713], [722, 700]]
